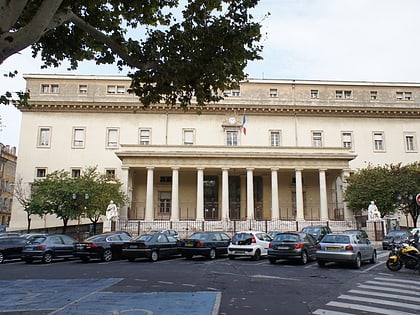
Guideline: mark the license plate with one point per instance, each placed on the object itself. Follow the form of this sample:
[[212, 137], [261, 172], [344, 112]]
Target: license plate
[[132, 246], [189, 245], [282, 247], [333, 248]]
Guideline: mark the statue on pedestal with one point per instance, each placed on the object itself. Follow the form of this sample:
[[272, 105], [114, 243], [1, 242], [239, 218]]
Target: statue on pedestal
[[111, 211], [373, 212]]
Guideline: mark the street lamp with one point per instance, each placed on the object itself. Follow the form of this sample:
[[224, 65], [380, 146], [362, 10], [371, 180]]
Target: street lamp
[[74, 197]]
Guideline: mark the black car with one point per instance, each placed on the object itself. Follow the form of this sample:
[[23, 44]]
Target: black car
[[209, 244], [396, 236], [152, 246], [11, 247], [317, 231], [48, 247], [292, 245], [106, 246]]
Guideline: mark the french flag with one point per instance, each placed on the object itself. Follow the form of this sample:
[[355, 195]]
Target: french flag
[[244, 124]]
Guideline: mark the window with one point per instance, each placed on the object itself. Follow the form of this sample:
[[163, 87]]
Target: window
[[112, 137], [339, 94], [78, 137], [231, 138], [76, 172], [228, 93], [115, 89], [188, 137], [317, 139], [314, 94], [110, 172], [347, 139], [144, 136], [165, 179], [165, 202], [50, 88], [410, 142], [41, 172], [275, 138], [44, 136], [403, 96], [378, 141], [273, 93], [373, 95], [83, 89]]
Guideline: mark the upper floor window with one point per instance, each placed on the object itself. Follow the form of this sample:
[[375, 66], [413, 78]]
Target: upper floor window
[[378, 141], [41, 172], [188, 136], [314, 94], [165, 179], [83, 89], [112, 136], [79, 134], [403, 96], [50, 88], [144, 136], [232, 138], [373, 95], [76, 172], [273, 93], [340, 94], [235, 92], [115, 89], [347, 139], [110, 172], [317, 139], [410, 142], [44, 137], [275, 138]]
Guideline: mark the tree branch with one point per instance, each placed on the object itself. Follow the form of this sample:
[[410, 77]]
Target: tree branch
[[14, 10]]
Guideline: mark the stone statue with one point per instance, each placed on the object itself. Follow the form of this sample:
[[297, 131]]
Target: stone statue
[[111, 211], [373, 212]]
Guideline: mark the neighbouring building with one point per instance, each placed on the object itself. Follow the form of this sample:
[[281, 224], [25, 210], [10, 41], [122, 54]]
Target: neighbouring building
[[8, 160], [271, 150]]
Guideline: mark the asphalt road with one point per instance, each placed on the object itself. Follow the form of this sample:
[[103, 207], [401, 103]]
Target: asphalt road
[[198, 286]]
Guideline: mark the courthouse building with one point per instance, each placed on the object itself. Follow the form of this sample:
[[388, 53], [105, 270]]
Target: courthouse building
[[271, 150]]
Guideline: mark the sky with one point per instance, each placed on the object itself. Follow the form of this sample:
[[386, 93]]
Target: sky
[[345, 40]]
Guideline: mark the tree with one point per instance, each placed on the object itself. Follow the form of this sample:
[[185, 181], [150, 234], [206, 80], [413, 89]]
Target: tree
[[23, 197], [392, 187], [186, 49]]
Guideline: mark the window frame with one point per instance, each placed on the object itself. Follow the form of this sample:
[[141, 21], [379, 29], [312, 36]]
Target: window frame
[[39, 171], [185, 136], [271, 134], [231, 142], [40, 143], [344, 134], [82, 141], [109, 143], [83, 89], [273, 93], [149, 130], [317, 142], [376, 147], [314, 94], [413, 148]]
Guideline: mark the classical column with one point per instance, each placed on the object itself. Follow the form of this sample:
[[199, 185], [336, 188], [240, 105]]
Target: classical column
[[175, 194], [124, 179], [250, 215], [149, 216], [323, 196], [200, 195], [299, 195], [348, 215], [225, 194], [275, 212]]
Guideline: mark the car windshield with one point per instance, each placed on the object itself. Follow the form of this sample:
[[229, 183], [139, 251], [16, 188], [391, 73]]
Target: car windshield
[[199, 236], [241, 236], [286, 238], [144, 238], [341, 239], [95, 239], [312, 230], [37, 240]]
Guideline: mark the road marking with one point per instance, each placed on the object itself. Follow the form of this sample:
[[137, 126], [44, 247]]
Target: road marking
[[381, 302], [386, 295], [274, 277], [369, 309]]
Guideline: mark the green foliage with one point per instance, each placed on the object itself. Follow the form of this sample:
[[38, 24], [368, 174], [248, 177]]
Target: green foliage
[[177, 50], [70, 198], [392, 187]]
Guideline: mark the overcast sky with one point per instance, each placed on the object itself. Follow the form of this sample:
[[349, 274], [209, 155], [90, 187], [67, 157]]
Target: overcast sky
[[355, 40]]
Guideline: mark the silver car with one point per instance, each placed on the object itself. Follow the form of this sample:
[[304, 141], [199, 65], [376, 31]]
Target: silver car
[[345, 248]]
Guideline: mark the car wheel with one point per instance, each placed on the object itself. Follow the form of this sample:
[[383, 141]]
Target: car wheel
[[47, 258], [272, 260], [374, 257], [212, 254], [321, 263], [231, 257], [257, 255], [107, 255], [154, 256], [357, 263], [304, 258], [1, 258]]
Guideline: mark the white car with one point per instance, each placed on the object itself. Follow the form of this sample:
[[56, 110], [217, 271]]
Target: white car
[[252, 244]]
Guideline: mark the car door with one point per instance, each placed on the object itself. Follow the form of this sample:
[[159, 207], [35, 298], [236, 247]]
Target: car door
[[172, 245], [364, 247], [310, 243], [163, 246], [224, 243], [264, 240], [56, 245], [67, 247]]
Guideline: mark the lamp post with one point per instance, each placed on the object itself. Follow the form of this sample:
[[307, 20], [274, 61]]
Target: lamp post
[[74, 197]]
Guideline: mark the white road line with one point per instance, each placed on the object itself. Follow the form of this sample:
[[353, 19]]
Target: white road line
[[386, 295], [387, 289], [321, 311], [379, 301], [415, 282], [371, 309], [397, 285], [273, 277]]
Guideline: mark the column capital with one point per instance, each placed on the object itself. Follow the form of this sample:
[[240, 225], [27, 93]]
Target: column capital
[[274, 169]]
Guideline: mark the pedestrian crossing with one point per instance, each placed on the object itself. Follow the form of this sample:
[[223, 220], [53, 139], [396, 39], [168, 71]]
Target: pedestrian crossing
[[381, 295]]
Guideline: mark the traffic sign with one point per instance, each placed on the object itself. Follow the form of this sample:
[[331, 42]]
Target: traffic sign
[[418, 199]]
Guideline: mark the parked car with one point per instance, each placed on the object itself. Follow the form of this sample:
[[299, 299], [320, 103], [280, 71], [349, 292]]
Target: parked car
[[48, 247], [317, 231], [395, 236], [11, 247], [170, 232], [345, 248], [9, 234], [209, 244], [152, 246], [252, 244], [361, 233], [292, 245], [106, 246], [274, 233], [30, 236]]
